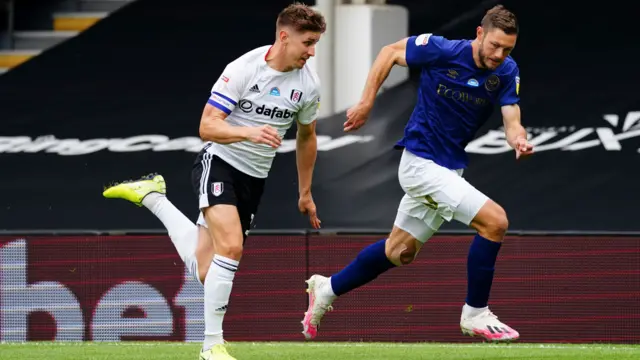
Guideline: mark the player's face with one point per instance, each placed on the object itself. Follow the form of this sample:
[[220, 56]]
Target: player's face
[[494, 47], [301, 47]]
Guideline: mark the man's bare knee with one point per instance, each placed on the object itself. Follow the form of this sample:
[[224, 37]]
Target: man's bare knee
[[232, 251], [401, 247], [491, 222], [225, 229], [497, 224]]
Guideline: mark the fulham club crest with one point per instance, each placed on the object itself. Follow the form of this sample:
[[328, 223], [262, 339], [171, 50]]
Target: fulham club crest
[[296, 95], [217, 188]]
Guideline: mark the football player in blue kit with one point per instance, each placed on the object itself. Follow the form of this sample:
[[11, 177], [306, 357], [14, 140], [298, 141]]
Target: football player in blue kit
[[461, 82]]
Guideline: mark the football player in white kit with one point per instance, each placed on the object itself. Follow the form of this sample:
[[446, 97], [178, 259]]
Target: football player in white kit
[[256, 99]]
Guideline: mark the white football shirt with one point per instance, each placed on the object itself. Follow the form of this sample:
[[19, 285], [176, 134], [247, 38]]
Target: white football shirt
[[254, 94]]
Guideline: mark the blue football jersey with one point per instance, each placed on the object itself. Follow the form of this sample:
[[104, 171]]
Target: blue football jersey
[[455, 98]]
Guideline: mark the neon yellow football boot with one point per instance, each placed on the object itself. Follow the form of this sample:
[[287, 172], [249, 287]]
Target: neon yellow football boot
[[218, 352], [136, 190]]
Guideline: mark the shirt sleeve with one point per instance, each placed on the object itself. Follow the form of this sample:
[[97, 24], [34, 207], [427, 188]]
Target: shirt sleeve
[[510, 93], [423, 49], [229, 88], [310, 109]]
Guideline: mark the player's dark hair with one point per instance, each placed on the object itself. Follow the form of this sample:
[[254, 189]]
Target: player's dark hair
[[301, 18], [499, 17]]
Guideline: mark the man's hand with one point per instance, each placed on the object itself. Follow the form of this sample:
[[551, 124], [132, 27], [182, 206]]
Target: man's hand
[[264, 134], [522, 147], [308, 207], [356, 117]]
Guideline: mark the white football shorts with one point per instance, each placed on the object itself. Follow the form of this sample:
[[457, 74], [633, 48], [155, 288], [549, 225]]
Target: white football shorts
[[433, 194]]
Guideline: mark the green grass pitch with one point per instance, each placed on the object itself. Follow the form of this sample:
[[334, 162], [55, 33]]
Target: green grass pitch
[[318, 350]]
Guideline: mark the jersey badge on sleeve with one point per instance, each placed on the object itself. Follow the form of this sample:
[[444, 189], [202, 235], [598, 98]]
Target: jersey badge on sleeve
[[423, 39]]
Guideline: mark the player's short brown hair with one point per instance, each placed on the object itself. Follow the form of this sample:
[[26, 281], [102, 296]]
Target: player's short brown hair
[[499, 17], [301, 18]]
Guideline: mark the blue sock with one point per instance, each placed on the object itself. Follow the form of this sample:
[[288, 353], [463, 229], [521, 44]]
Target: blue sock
[[480, 268], [370, 262]]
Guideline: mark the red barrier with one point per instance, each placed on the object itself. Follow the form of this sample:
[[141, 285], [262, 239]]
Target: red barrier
[[572, 289]]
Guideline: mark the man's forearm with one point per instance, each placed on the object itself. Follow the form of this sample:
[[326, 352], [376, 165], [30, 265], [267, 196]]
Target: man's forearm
[[219, 131], [306, 151], [377, 75], [513, 132]]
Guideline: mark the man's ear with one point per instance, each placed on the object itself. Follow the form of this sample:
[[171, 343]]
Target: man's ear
[[479, 33], [283, 35]]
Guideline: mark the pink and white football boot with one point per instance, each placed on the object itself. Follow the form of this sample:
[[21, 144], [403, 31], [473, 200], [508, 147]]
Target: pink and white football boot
[[320, 298], [486, 324]]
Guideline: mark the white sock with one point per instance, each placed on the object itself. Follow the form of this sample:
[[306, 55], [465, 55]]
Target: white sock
[[183, 233], [470, 311], [217, 290], [327, 290]]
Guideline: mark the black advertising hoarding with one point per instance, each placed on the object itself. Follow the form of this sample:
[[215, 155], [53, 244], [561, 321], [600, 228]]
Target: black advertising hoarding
[[101, 107]]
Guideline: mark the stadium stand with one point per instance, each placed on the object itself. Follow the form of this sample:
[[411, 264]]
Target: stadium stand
[[33, 26]]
